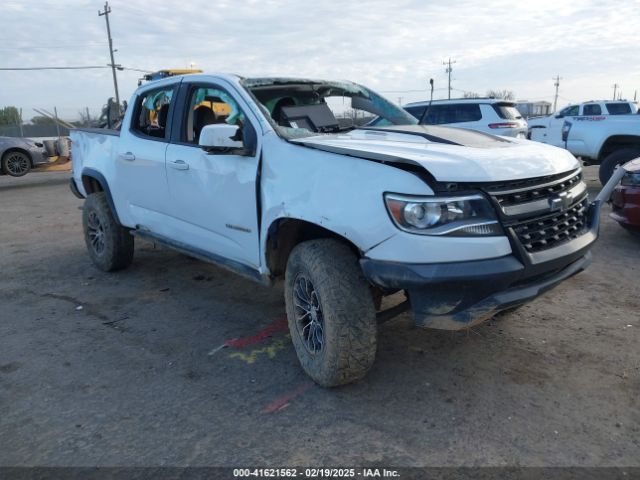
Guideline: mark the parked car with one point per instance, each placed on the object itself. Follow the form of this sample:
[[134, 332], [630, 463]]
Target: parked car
[[488, 115], [466, 224], [625, 200], [19, 155], [605, 133]]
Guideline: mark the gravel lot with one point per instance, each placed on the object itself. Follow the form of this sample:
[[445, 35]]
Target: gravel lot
[[127, 368]]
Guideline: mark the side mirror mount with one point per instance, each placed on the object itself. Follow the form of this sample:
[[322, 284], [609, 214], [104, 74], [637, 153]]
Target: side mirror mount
[[220, 138]]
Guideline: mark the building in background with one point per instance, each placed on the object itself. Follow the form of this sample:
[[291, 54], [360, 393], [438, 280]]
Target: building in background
[[533, 109]]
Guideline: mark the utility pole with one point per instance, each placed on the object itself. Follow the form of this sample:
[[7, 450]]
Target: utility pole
[[20, 122], [557, 85], [105, 13], [55, 113], [615, 89], [449, 70]]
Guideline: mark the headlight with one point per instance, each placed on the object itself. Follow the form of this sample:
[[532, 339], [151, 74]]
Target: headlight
[[463, 216], [631, 179]]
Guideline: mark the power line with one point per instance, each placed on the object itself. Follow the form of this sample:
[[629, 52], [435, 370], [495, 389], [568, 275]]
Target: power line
[[88, 67], [135, 69], [408, 91], [55, 68], [66, 47]]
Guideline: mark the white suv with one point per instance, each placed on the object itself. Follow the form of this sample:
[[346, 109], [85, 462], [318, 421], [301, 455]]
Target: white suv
[[487, 115]]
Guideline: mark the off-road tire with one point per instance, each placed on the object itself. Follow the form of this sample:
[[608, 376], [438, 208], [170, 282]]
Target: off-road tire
[[611, 161], [117, 248], [20, 163], [347, 309]]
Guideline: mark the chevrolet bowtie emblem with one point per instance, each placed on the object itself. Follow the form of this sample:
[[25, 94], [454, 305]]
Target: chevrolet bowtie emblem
[[560, 202]]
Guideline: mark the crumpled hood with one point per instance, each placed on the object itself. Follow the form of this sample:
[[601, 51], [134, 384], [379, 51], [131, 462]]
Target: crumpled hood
[[450, 154]]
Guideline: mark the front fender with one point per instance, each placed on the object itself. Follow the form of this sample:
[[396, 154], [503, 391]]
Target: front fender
[[339, 193]]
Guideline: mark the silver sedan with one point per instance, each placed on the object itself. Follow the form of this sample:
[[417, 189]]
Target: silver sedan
[[19, 155]]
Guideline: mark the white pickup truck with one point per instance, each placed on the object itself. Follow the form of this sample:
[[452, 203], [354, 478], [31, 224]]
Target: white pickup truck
[[258, 176], [599, 132]]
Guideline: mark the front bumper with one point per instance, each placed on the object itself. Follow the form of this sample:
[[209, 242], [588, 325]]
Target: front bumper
[[457, 295]]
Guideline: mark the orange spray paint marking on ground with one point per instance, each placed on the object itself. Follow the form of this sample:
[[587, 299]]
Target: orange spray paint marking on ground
[[281, 402], [263, 334]]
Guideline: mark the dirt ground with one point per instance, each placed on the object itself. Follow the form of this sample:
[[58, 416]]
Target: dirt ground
[[128, 369]]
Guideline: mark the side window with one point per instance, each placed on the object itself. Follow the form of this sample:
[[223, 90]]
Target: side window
[[436, 115], [570, 111], [618, 108], [152, 113], [469, 112], [443, 114], [592, 109], [207, 106]]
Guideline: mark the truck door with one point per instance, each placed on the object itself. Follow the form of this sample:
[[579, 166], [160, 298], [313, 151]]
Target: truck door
[[554, 131], [140, 159], [213, 195]]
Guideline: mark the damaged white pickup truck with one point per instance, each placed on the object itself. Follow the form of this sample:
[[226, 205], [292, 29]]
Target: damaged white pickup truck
[[259, 176]]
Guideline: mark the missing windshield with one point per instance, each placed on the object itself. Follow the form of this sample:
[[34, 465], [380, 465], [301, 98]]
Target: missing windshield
[[299, 108]]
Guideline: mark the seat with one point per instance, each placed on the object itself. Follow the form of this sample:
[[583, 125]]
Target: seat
[[159, 130], [202, 116], [162, 116]]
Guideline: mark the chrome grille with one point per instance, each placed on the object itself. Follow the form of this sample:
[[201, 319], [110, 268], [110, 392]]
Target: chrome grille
[[543, 232]]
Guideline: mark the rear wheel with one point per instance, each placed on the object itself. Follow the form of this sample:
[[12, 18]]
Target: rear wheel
[[109, 244], [16, 163], [330, 311], [614, 159]]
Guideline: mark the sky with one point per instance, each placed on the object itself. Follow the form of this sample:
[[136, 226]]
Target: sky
[[393, 47]]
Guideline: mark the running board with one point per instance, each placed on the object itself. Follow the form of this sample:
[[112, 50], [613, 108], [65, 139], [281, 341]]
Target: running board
[[231, 265]]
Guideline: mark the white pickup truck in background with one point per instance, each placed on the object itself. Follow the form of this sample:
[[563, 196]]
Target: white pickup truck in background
[[258, 176], [599, 132]]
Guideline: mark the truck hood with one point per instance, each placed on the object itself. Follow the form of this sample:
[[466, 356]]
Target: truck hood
[[449, 154]]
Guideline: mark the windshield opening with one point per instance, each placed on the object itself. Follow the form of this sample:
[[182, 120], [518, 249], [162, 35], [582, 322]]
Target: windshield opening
[[301, 108]]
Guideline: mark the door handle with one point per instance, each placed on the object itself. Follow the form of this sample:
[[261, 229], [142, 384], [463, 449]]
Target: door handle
[[179, 165], [129, 156]]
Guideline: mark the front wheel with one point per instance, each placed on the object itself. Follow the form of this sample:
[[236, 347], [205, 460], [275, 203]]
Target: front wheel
[[109, 244], [331, 312], [16, 164]]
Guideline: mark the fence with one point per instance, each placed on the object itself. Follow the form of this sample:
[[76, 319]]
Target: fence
[[32, 131]]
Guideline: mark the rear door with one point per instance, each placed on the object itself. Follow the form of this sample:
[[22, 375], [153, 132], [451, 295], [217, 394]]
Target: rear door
[[140, 158], [213, 195]]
